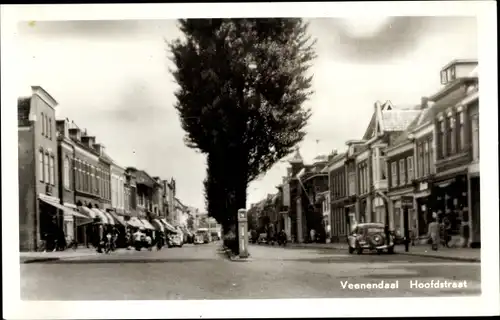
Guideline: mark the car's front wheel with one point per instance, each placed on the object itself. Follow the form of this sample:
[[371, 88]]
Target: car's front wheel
[[359, 250], [390, 250]]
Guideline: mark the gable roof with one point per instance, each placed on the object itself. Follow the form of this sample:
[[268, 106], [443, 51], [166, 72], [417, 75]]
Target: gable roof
[[388, 118], [398, 120], [297, 158]]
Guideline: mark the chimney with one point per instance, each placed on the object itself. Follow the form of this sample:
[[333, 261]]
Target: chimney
[[75, 133], [377, 105]]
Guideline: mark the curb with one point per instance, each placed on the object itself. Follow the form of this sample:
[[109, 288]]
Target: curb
[[35, 260], [441, 257], [398, 252]]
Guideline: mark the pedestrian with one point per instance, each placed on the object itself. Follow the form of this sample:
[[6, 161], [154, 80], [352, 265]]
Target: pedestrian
[[446, 225], [414, 232], [312, 234], [433, 234]]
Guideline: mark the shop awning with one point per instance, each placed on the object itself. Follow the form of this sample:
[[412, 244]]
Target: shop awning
[[159, 225], [101, 215], [118, 218], [64, 209], [168, 226], [147, 225], [111, 219], [134, 222]]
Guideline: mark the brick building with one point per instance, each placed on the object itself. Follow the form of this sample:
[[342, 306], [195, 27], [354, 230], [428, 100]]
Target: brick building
[[38, 177]]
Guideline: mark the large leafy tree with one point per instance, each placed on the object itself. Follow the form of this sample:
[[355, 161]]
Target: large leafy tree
[[243, 84]]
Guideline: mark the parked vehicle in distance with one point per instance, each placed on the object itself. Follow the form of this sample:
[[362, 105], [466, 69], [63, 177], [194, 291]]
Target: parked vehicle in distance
[[203, 232], [370, 236], [199, 239], [175, 241], [262, 238]]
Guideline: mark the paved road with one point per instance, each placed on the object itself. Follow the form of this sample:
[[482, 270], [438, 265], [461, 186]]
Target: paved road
[[199, 272]]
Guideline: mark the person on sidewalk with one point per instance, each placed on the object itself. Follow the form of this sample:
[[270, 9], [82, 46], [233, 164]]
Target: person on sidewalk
[[433, 234]]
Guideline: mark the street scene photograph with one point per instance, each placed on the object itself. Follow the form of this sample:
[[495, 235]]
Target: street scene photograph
[[250, 158]]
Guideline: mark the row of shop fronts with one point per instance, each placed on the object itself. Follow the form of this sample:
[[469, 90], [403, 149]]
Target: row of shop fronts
[[428, 154], [71, 190]]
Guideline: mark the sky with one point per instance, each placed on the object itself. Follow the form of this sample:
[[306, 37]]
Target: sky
[[112, 78]]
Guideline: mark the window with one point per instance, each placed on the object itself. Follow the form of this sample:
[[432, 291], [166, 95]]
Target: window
[[92, 180], [52, 171], [46, 168], [50, 129], [402, 173], [409, 168], [461, 132], [431, 156], [442, 136], [426, 158], [43, 124], [40, 165], [66, 172], [475, 137], [46, 126], [452, 135], [394, 174], [443, 77]]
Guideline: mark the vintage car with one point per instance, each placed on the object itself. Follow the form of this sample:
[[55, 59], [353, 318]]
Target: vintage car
[[370, 236], [199, 239], [175, 241]]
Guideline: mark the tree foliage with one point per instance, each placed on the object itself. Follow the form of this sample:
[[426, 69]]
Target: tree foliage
[[242, 88]]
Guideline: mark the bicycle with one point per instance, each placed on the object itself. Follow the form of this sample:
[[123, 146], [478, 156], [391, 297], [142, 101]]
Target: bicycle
[[42, 246]]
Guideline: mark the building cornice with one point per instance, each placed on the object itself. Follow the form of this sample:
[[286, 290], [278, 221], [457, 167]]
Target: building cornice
[[44, 95], [400, 148]]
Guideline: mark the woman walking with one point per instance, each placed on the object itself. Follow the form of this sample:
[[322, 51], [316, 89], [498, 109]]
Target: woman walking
[[433, 234]]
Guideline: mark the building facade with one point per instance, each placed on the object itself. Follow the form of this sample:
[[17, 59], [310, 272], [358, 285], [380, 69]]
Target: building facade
[[338, 194], [118, 192], [66, 155], [38, 176], [452, 126]]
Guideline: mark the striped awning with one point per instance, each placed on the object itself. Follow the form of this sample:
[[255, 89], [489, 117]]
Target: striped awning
[[63, 208], [101, 215], [134, 222], [168, 226], [147, 225], [159, 225], [118, 218]]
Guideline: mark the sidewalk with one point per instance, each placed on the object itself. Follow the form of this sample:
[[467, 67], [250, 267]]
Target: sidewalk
[[31, 257], [457, 254]]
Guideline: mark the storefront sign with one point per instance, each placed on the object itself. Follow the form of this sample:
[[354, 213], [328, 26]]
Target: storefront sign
[[423, 186], [406, 202]]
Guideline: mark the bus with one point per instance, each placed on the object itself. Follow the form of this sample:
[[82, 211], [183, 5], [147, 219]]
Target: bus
[[202, 236]]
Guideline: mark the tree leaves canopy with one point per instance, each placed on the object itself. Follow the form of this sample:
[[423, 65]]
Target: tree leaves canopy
[[243, 84]]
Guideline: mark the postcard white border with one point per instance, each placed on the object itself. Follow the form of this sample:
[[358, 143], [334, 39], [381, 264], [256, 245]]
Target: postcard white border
[[487, 304]]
